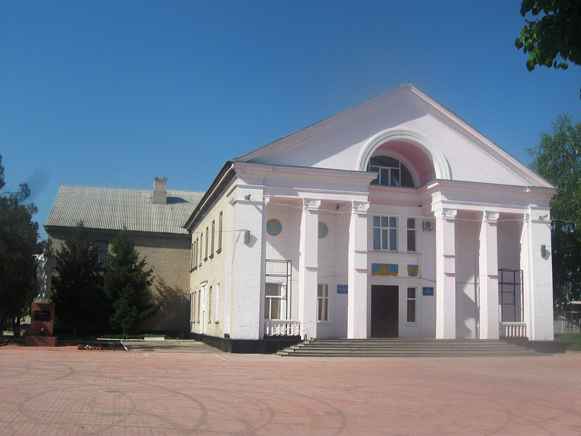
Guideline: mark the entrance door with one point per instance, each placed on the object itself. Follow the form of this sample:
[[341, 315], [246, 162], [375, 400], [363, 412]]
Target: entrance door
[[384, 311]]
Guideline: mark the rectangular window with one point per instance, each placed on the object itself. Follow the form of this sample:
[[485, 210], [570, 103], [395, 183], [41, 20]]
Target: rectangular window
[[412, 305], [385, 233], [217, 315], [102, 249], [192, 256], [411, 234], [323, 303], [219, 233], [272, 301], [201, 247], [199, 306], [206, 252], [212, 243], [192, 308], [210, 305]]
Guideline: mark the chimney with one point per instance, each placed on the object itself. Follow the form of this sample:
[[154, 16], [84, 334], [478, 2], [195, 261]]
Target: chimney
[[159, 190]]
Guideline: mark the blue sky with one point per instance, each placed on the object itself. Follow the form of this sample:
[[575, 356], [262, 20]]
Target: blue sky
[[112, 93]]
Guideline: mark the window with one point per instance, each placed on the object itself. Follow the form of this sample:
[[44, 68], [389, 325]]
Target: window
[[102, 250], [390, 172], [323, 303], [385, 233], [199, 306], [192, 307], [201, 246], [192, 255], [219, 233], [411, 234], [206, 252], [210, 306], [213, 232], [412, 305], [217, 316], [272, 301]]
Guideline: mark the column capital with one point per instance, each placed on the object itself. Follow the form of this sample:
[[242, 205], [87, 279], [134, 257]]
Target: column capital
[[266, 199], [311, 204], [488, 215], [359, 206], [445, 213]]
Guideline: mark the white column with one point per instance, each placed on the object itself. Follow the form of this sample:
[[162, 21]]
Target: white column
[[308, 265], [445, 274], [488, 274], [357, 272], [248, 275], [540, 276]]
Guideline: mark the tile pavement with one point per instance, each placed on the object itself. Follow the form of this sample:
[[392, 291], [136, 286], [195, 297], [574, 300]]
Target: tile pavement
[[64, 391]]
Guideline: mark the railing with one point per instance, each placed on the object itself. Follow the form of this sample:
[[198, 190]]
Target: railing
[[513, 329], [282, 327]]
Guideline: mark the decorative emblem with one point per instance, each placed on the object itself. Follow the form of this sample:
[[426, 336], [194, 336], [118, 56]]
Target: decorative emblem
[[323, 230], [413, 270], [384, 269], [273, 227]]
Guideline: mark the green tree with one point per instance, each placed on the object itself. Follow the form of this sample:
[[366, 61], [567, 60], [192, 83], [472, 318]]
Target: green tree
[[18, 243], [127, 282], [558, 159], [79, 297], [553, 38]]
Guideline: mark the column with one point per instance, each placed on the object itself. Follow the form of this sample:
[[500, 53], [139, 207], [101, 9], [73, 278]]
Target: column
[[540, 276], [308, 265], [488, 276], [445, 274], [357, 272]]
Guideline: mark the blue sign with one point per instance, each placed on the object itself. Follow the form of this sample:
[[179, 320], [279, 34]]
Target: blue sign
[[428, 291], [341, 289]]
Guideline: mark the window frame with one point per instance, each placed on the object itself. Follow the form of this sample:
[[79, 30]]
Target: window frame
[[268, 300], [387, 173], [385, 236], [219, 249], [413, 300], [322, 302], [411, 235]]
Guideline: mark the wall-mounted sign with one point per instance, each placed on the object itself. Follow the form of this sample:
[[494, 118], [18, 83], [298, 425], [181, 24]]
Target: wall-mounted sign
[[341, 289], [384, 269], [323, 230], [428, 291], [413, 270], [273, 227]]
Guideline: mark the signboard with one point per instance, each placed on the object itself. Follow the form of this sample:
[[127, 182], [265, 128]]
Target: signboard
[[341, 289], [428, 291], [384, 269]]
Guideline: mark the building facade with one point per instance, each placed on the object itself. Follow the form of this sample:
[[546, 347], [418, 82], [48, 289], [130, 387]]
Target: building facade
[[394, 218], [155, 221]]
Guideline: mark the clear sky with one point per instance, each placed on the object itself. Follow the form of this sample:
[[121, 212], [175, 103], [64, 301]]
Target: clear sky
[[115, 92]]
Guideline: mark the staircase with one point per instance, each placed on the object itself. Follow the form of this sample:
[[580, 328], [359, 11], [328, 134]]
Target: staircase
[[402, 347]]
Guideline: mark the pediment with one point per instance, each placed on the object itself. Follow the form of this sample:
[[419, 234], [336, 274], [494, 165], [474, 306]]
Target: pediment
[[406, 121]]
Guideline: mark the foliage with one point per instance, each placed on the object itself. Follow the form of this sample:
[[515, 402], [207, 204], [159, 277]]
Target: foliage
[[558, 159], [554, 37], [565, 338], [18, 244], [127, 282], [80, 301]]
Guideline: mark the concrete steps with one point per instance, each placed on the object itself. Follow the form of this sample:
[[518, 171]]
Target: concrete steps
[[402, 347]]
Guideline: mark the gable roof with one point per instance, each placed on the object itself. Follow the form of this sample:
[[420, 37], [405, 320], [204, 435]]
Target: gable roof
[[340, 140], [113, 209]]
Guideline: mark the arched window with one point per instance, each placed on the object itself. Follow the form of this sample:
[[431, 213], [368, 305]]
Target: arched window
[[390, 172]]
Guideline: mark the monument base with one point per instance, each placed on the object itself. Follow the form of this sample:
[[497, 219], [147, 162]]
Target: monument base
[[40, 341], [42, 319]]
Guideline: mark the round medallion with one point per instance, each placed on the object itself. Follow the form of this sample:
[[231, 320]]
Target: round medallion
[[273, 227], [323, 230]]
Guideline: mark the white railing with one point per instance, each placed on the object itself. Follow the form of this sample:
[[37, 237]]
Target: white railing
[[282, 327], [513, 329]]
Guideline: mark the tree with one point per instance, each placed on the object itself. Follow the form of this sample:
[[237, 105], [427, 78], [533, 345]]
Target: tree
[[558, 159], [18, 243], [79, 297], [553, 39], [127, 282]]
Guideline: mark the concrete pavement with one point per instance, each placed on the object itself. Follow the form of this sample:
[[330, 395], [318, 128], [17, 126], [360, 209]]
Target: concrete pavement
[[64, 391]]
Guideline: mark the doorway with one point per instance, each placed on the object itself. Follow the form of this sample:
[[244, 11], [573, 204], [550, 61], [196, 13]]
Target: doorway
[[384, 311]]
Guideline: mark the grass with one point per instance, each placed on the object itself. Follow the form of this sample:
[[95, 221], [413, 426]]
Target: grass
[[565, 338]]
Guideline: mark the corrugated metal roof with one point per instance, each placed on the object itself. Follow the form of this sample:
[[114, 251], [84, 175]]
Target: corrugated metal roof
[[109, 208]]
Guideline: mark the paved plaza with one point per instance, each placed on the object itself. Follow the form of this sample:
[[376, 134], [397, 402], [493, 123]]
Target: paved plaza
[[198, 390]]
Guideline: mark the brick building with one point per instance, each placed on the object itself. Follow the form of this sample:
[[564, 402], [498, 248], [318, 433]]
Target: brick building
[[155, 220]]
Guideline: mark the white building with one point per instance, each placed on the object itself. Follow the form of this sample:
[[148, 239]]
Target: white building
[[394, 218]]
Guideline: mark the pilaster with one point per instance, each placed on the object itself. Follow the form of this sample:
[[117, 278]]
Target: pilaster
[[445, 273], [488, 275], [357, 272], [308, 265]]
